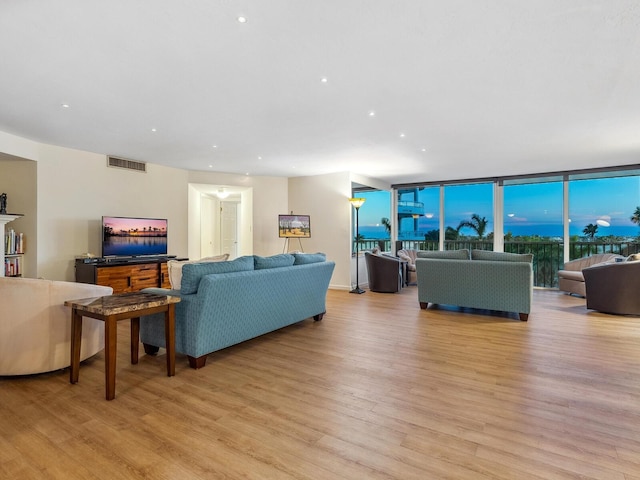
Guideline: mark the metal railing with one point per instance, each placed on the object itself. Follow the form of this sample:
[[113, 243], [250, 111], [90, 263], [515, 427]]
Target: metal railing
[[548, 256]]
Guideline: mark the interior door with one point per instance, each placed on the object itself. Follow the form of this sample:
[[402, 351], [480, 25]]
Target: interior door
[[229, 228]]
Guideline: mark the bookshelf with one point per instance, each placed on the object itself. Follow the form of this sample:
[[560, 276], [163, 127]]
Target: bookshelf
[[11, 248]]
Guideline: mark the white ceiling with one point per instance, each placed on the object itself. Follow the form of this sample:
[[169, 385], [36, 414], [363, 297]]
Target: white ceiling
[[485, 87]]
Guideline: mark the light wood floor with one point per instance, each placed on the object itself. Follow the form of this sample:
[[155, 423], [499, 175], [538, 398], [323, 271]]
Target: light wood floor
[[379, 389]]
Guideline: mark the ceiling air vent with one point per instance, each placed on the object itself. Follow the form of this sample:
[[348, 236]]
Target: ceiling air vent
[[127, 164]]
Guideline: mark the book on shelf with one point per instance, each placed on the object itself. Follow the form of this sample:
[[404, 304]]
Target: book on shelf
[[13, 267], [13, 243]]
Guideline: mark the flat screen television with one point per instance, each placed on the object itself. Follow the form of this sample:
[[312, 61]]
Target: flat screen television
[[294, 226], [133, 237]]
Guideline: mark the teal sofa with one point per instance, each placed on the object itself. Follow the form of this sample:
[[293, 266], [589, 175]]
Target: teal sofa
[[225, 303], [483, 279]]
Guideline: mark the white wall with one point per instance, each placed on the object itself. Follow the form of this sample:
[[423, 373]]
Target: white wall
[[326, 199]]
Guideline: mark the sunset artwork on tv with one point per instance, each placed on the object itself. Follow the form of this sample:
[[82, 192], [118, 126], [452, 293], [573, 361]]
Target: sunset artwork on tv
[[126, 236]]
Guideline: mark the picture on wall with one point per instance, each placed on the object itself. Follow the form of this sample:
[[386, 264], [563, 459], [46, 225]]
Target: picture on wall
[[294, 226]]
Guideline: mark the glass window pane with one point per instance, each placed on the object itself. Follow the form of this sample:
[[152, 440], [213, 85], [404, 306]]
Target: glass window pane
[[533, 210], [600, 211], [418, 217], [533, 224], [374, 222], [468, 216]]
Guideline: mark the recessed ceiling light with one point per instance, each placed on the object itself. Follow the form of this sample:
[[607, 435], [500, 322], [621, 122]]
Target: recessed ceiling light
[[154, 130], [214, 146], [247, 173], [259, 158], [402, 135], [324, 79], [424, 150], [372, 113], [210, 166], [242, 19], [65, 105]]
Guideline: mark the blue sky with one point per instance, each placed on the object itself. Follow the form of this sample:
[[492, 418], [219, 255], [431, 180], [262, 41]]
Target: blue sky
[[531, 206]]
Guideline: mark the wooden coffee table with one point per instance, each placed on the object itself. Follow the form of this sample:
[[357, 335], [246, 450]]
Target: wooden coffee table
[[110, 309]]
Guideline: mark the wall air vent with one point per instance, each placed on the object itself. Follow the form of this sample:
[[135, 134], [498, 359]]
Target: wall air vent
[[127, 164]]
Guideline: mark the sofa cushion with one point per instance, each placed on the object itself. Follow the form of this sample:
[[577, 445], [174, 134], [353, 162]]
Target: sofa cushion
[[305, 258], [634, 257], [274, 261], [193, 272], [175, 268], [501, 256], [462, 254]]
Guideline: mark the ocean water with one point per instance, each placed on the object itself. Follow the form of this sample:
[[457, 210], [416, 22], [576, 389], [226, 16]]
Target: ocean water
[[375, 233]]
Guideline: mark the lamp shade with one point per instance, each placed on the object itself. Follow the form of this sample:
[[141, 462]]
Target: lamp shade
[[357, 202]]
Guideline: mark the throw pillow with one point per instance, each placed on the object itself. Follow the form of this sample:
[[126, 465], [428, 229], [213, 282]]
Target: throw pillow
[[462, 254], [501, 256], [305, 258], [274, 261], [634, 257], [192, 273], [175, 268]]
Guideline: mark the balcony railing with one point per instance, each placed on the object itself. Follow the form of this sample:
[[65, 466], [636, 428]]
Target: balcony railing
[[548, 256]]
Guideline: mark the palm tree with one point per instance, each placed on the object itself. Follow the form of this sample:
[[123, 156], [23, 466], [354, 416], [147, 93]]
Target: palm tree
[[386, 223], [590, 230], [451, 233], [476, 223], [635, 218]]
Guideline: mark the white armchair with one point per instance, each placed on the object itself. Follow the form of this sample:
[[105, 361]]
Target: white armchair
[[408, 256], [35, 326]]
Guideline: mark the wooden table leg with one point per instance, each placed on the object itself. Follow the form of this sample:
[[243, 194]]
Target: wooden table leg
[[110, 343], [76, 339], [170, 339], [135, 339]]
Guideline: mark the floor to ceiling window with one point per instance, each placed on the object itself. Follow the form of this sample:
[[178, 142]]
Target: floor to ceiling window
[[601, 208]]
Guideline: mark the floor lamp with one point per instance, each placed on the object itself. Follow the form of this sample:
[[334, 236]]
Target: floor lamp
[[357, 203]]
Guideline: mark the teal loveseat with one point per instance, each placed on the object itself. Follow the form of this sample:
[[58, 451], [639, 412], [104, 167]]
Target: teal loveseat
[[485, 280], [225, 303]]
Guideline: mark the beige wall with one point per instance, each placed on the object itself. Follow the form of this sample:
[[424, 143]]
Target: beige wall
[[74, 189], [326, 199]]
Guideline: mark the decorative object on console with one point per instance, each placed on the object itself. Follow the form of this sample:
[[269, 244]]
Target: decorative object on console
[[3, 204], [357, 203]]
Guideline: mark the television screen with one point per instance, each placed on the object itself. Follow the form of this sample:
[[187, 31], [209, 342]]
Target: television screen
[[131, 237], [294, 226]]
